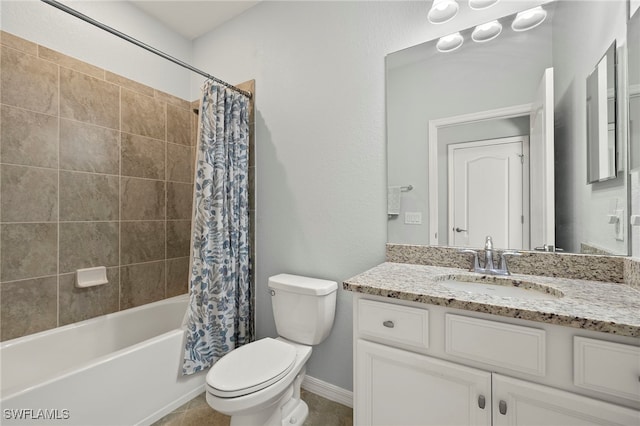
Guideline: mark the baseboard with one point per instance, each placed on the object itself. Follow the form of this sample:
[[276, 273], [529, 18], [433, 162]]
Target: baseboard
[[328, 391]]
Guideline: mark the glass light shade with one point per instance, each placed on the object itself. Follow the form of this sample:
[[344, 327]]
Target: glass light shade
[[486, 32], [449, 43], [442, 11], [529, 19], [481, 4]]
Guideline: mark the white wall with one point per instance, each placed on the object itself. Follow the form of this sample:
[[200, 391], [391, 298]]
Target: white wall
[[581, 209], [50, 27], [320, 136]]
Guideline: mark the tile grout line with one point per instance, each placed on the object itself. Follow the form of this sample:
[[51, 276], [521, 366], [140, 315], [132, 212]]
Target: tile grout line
[[58, 212], [166, 196], [119, 198]]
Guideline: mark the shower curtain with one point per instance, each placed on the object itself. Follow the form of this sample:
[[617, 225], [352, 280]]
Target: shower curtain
[[219, 315]]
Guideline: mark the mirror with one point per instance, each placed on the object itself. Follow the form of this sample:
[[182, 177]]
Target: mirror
[[601, 119], [633, 48], [634, 90], [459, 122]]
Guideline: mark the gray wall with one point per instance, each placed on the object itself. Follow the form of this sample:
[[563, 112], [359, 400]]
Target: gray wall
[[578, 45]]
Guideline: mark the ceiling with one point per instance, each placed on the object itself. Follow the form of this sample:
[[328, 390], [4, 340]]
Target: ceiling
[[190, 18]]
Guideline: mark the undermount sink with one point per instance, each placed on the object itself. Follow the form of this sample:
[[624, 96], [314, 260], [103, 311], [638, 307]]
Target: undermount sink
[[498, 286]]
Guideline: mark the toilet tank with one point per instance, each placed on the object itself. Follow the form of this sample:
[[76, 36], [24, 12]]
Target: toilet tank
[[303, 308]]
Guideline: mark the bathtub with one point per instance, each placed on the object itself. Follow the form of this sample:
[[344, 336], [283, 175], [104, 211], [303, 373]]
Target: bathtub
[[118, 369]]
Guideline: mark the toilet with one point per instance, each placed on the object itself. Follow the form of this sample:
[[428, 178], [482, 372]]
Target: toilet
[[259, 383]]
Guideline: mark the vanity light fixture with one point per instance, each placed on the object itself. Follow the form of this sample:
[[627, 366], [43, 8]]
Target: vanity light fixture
[[529, 19], [481, 4], [442, 11], [450, 42], [486, 32]]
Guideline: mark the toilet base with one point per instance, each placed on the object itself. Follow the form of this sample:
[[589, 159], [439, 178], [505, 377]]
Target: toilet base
[[287, 410], [298, 414]]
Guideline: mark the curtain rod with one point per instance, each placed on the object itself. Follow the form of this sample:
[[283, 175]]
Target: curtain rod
[[138, 43]]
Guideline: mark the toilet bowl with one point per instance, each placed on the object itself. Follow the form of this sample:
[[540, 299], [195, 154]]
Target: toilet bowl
[[262, 400], [259, 383]]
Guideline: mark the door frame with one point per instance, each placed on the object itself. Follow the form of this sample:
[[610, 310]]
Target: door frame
[[434, 126], [524, 139]]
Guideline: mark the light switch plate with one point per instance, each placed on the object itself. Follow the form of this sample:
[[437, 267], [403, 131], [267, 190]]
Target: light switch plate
[[413, 218]]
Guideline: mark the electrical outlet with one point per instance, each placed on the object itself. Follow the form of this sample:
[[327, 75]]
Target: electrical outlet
[[413, 218]]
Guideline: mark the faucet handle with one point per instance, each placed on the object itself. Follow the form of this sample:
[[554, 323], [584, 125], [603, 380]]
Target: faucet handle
[[475, 264], [488, 243], [503, 260]]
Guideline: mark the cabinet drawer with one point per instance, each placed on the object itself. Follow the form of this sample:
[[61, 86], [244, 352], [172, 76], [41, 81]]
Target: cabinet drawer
[[395, 323], [611, 368], [497, 344]]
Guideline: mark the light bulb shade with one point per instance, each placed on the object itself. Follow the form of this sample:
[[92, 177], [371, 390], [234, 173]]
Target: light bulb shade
[[442, 11], [529, 19], [486, 32], [481, 4], [449, 43]]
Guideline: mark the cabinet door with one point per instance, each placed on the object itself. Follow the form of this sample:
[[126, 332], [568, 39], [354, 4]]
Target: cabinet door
[[397, 387], [516, 402]]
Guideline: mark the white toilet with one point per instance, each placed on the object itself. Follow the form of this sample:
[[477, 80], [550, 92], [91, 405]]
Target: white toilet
[[259, 383]]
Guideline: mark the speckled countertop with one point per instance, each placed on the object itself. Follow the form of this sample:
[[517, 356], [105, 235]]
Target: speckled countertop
[[591, 305]]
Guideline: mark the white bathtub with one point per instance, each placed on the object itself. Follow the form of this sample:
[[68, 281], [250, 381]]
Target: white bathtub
[[118, 369]]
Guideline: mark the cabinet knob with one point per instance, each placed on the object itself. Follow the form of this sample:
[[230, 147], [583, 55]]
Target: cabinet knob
[[502, 407], [388, 324], [481, 402]]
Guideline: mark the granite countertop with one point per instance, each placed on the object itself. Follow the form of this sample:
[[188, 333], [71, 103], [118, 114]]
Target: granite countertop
[[590, 305]]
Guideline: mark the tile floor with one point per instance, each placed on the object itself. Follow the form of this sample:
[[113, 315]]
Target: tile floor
[[196, 412]]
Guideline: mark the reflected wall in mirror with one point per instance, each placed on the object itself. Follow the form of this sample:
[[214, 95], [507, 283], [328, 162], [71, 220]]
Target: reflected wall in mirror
[[459, 122], [601, 119]]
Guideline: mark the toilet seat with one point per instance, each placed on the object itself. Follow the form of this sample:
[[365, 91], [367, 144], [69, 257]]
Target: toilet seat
[[251, 368]]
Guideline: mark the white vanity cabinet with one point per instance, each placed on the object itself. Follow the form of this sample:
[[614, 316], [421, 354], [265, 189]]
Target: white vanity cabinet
[[522, 403], [418, 364], [399, 387]]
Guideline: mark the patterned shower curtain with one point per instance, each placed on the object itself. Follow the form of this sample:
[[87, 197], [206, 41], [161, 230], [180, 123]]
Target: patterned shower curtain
[[219, 314]]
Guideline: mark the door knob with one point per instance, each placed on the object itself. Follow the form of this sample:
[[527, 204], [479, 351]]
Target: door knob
[[502, 407], [459, 229]]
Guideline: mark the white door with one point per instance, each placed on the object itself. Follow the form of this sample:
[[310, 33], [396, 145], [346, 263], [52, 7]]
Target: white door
[[519, 403], [397, 387], [542, 175], [488, 190]]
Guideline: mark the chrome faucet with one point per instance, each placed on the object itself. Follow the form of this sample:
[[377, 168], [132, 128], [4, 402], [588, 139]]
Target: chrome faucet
[[488, 253], [489, 267]]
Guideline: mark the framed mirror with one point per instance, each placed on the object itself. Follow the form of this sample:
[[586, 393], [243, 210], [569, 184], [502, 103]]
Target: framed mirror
[[601, 119]]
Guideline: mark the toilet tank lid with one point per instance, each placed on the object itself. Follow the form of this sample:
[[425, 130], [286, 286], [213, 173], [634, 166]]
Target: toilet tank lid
[[302, 285]]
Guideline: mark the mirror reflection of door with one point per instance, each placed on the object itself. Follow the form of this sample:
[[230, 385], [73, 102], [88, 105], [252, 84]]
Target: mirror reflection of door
[[488, 186], [539, 210]]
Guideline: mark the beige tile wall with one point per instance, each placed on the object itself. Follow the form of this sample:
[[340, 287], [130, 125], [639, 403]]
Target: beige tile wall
[[95, 170]]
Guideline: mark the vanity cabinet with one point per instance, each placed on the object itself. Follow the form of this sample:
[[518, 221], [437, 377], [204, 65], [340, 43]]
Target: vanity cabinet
[[399, 387], [436, 366], [518, 402]]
